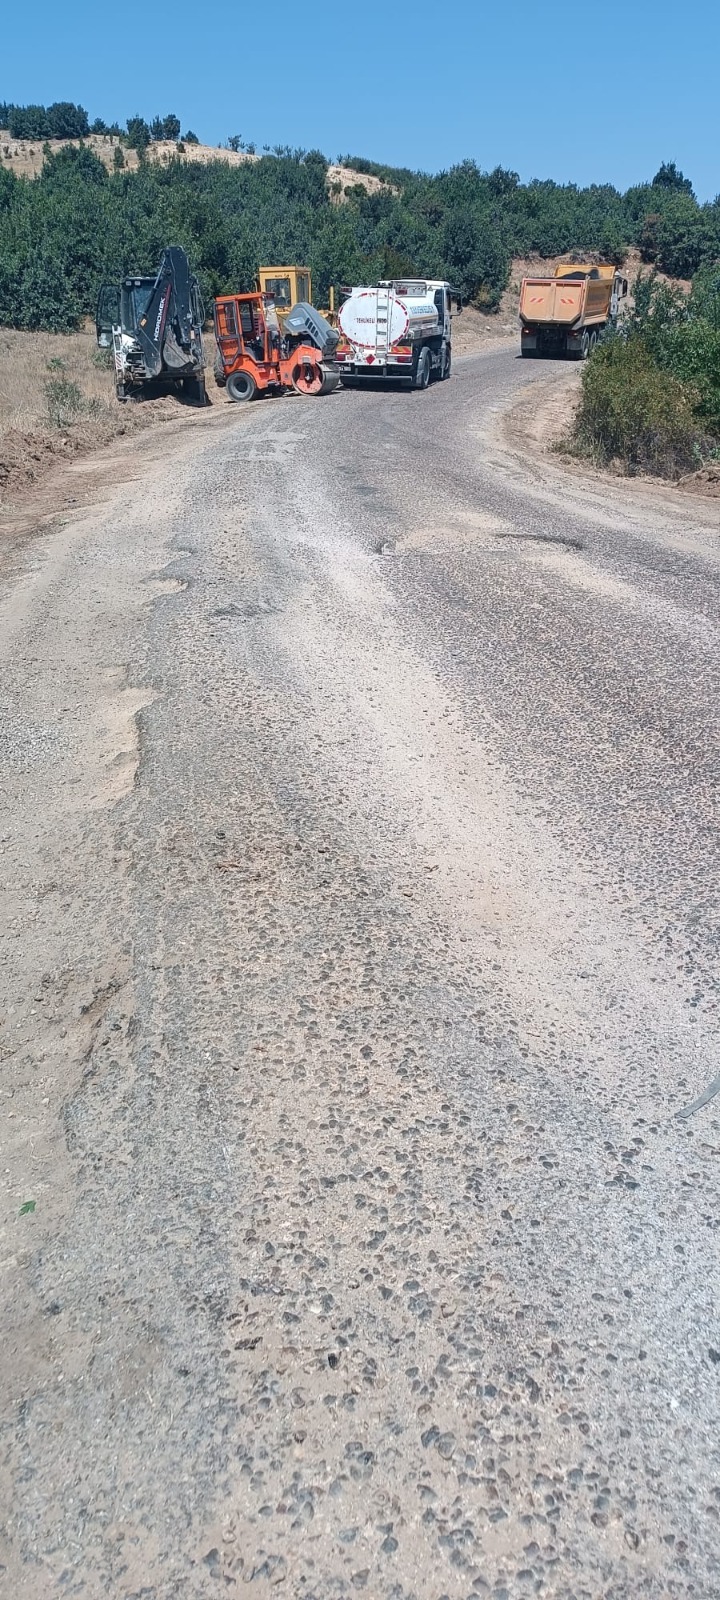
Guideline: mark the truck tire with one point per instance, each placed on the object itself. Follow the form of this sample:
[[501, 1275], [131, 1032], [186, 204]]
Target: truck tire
[[445, 363], [584, 346], [241, 386], [593, 340], [422, 371]]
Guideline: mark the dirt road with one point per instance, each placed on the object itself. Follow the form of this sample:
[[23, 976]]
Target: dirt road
[[360, 891]]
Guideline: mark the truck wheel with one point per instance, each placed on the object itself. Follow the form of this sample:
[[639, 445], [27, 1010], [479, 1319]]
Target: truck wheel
[[593, 340], [241, 386], [585, 345], [445, 362], [422, 371]]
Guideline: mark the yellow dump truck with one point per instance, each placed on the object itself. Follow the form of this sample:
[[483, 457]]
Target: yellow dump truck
[[564, 315]]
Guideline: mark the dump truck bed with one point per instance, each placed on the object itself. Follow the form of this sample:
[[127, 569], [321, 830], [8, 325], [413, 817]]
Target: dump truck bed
[[565, 301]]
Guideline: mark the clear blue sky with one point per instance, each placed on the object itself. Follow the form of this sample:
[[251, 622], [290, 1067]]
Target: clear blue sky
[[601, 93]]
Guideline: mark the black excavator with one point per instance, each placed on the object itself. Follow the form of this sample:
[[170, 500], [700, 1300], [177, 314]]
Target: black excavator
[[154, 328]]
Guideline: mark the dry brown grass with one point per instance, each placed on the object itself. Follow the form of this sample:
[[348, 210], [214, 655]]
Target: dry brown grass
[[28, 361], [34, 434]]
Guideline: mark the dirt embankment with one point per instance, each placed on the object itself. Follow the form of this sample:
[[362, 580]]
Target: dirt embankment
[[57, 401]]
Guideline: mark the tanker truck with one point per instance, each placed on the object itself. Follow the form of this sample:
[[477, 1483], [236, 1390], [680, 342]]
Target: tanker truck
[[399, 329]]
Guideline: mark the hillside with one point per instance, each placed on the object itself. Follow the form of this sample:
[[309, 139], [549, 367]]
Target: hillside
[[25, 158]]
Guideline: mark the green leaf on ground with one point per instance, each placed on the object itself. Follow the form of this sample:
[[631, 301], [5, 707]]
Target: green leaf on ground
[[27, 1205]]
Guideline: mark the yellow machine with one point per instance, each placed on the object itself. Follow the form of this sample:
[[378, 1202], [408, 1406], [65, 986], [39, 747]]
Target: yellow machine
[[286, 286]]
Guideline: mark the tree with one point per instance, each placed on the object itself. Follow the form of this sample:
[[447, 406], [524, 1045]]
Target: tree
[[669, 177], [234, 142], [138, 133], [118, 158], [171, 127], [190, 137], [67, 121]]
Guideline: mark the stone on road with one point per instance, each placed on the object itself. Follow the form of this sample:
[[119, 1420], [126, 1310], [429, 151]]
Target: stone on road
[[360, 890]]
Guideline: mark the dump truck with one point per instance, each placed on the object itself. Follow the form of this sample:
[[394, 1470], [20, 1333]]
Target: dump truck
[[257, 355], [153, 325], [565, 314], [400, 328]]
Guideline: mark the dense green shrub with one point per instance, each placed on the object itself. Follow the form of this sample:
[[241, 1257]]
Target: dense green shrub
[[633, 414], [74, 227]]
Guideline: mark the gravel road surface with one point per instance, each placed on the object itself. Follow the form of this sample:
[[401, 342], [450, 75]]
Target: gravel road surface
[[359, 950]]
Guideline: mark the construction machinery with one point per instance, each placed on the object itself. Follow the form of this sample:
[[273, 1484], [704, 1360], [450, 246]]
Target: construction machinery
[[565, 314], [257, 355], [286, 286], [153, 325], [290, 286], [399, 329]]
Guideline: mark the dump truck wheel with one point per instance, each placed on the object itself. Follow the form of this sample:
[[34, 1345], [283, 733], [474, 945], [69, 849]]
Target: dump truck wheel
[[593, 341], [422, 372], [241, 386], [445, 362], [585, 345]]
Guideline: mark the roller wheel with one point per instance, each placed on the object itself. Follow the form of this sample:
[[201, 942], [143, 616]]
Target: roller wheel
[[308, 377], [330, 381], [241, 386], [422, 372]]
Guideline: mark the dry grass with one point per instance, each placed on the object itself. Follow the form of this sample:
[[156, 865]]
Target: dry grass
[[28, 361], [57, 401]]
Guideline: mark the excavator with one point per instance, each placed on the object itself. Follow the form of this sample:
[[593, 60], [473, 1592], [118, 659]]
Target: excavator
[[154, 328]]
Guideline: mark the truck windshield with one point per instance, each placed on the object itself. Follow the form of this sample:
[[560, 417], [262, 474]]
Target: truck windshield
[[279, 289], [133, 302]]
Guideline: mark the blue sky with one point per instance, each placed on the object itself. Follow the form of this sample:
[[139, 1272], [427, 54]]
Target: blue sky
[[550, 88]]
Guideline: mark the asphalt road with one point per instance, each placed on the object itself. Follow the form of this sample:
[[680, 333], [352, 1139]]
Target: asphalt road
[[360, 892]]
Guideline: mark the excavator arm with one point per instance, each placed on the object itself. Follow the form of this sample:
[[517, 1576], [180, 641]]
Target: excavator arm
[[168, 331]]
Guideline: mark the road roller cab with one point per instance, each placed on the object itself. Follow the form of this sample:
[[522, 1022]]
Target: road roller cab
[[256, 355]]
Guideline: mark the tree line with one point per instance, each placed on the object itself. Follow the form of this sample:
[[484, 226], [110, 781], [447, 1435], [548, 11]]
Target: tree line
[[76, 226], [64, 120]]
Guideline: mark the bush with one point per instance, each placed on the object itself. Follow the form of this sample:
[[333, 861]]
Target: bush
[[633, 413], [64, 402]]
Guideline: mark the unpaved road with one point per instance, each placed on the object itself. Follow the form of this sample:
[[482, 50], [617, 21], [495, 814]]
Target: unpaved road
[[360, 891]]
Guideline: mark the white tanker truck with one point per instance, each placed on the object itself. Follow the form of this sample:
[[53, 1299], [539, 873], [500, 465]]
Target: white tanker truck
[[398, 329]]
